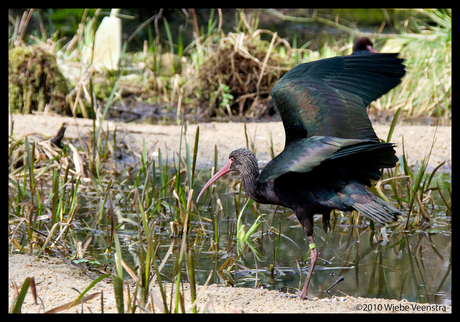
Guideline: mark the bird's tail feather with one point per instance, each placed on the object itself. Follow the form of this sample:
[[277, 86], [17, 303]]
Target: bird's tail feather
[[378, 210]]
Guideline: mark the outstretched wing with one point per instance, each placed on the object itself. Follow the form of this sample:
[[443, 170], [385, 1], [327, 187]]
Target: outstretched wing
[[323, 108], [329, 97]]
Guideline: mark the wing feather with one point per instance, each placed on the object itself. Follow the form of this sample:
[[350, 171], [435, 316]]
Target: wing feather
[[323, 108], [306, 154], [329, 97]]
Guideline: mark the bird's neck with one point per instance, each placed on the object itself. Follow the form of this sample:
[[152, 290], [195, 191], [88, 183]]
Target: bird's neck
[[250, 181]]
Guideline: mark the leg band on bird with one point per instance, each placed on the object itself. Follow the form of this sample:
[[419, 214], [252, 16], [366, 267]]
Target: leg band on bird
[[313, 257]]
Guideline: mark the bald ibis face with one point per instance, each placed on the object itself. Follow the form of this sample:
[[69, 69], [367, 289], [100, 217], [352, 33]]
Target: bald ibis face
[[239, 161]]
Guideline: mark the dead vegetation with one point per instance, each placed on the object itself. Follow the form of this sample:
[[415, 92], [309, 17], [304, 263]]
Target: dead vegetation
[[239, 74], [222, 75], [44, 155]]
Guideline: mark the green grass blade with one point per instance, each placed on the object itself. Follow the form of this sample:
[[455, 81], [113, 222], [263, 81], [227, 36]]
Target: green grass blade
[[171, 47], [215, 158], [17, 303], [195, 152], [180, 43], [144, 218], [187, 157], [239, 226], [253, 227], [18, 187], [118, 279], [30, 163], [191, 278], [82, 294], [393, 125]]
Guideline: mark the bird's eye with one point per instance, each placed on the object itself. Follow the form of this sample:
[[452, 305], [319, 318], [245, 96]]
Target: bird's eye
[[232, 159]]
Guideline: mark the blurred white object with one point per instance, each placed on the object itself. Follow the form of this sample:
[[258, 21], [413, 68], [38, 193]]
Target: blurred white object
[[107, 42]]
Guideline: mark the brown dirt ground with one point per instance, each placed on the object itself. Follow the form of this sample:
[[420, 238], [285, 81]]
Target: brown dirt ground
[[230, 136], [55, 279]]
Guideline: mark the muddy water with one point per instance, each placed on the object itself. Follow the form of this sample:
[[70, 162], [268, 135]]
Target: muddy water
[[395, 264]]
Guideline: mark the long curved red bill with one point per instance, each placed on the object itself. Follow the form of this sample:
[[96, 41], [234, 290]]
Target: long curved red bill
[[220, 173]]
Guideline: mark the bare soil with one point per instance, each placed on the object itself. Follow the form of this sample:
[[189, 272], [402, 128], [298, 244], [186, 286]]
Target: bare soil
[[228, 137], [55, 279]]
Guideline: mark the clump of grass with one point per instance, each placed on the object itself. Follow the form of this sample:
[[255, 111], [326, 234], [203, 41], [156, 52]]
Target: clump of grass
[[425, 42], [413, 186], [31, 205], [427, 87], [157, 195], [242, 65], [35, 81], [241, 233], [233, 74]]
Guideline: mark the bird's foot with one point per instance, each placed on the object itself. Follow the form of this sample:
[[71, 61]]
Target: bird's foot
[[305, 296]]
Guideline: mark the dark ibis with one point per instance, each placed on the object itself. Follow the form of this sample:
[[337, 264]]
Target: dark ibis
[[331, 151]]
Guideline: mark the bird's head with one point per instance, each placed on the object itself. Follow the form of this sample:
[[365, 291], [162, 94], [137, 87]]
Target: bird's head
[[363, 44], [239, 160]]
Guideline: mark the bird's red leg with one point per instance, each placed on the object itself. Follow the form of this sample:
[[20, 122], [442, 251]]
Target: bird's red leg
[[313, 256]]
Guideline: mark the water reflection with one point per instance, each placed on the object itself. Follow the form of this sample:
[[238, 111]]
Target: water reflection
[[413, 265]]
